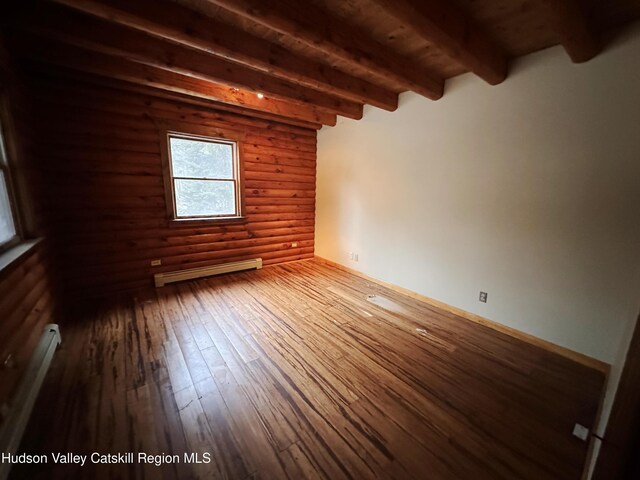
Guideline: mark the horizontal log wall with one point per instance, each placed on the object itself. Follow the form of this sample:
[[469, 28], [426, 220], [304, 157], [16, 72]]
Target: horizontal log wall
[[104, 192], [26, 292], [26, 306]]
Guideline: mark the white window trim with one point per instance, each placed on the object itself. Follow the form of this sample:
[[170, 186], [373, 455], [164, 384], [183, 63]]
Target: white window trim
[[204, 133]]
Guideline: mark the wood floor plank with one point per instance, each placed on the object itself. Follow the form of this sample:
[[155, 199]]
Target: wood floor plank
[[142, 429], [147, 338], [299, 465], [198, 435], [306, 371], [231, 456], [258, 449]]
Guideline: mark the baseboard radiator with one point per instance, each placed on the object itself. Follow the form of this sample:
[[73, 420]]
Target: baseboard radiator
[[161, 279], [18, 413]]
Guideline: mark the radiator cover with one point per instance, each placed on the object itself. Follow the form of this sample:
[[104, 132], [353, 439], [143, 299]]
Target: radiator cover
[[161, 279]]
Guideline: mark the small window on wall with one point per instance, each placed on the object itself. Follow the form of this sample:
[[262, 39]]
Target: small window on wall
[[203, 178], [8, 229]]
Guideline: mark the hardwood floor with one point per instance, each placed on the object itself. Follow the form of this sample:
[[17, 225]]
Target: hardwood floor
[[295, 372]]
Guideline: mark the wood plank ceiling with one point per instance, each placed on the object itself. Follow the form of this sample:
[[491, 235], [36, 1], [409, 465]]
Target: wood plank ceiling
[[303, 62]]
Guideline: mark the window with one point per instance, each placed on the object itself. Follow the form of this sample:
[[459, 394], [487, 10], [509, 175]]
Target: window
[[203, 178], [8, 230]]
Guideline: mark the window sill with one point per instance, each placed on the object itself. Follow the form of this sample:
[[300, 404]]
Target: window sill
[[205, 222], [16, 252]]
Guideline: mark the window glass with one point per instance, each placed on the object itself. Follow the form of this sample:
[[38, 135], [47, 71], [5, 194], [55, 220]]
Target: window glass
[[7, 227], [201, 159], [203, 198], [203, 177], [7, 224]]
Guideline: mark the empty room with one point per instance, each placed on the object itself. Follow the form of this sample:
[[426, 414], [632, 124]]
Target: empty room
[[320, 239]]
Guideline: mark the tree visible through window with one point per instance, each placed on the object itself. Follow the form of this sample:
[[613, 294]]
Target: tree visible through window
[[8, 233], [204, 176]]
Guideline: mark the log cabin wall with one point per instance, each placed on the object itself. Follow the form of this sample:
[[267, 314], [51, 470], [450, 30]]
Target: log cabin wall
[[27, 296], [105, 202], [26, 306]]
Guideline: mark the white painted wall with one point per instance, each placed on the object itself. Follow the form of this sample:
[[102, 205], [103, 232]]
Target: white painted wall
[[529, 190]]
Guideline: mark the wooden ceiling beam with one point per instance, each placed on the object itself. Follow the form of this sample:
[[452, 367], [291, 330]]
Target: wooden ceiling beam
[[452, 32], [100, 36], [304, 22], [52, 52], [53, 73], [181, 25], [572, 25]]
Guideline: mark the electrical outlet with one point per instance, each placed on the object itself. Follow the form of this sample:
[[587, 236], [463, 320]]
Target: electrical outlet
[[156, 263], [353, 256], [294, 244], [581, 432], [483, 297]]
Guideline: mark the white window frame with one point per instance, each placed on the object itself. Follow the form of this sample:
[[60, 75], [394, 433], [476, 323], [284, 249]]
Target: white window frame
[[203, 134]]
